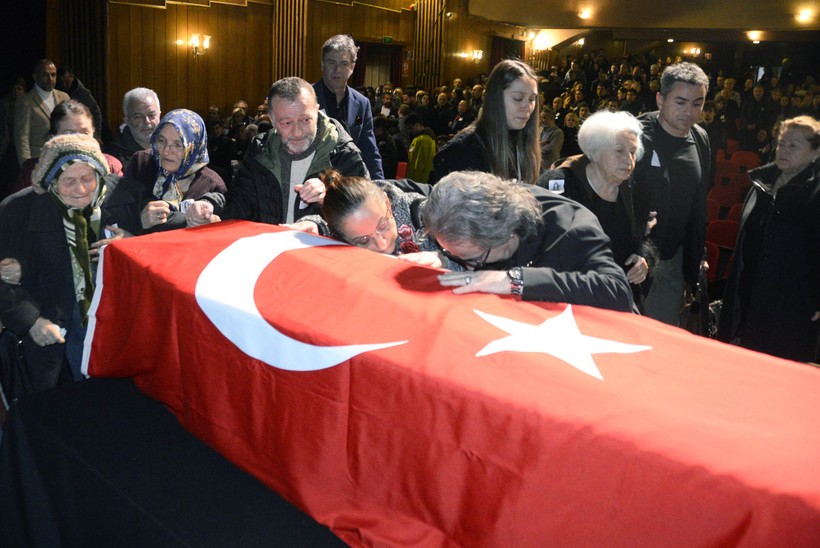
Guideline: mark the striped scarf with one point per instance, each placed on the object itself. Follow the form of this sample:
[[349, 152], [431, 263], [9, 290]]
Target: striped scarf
[[82, 227]]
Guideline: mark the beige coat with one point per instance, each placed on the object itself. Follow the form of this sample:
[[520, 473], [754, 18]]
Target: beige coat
[[31, 123]]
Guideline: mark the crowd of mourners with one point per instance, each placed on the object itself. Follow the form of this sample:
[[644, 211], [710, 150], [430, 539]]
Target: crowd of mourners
[[585, 184]]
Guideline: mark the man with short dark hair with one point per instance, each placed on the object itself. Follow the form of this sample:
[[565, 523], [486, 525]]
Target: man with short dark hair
[[671, 181], [345, 104], [422, 150], [756, 113], [278, 180], [552, 138], [69, 83], [33, 110], [715, 131]]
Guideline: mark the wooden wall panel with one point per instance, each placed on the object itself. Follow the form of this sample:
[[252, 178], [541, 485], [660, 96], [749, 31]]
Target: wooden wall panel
[[368, 21], [253, 44], [143, 52], [289, 35], [464, 33]]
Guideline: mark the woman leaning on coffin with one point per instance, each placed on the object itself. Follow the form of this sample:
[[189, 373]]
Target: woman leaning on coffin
[[377, 215]]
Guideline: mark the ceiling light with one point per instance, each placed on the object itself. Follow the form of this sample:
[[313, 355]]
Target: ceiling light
[[670, 40], [754, 35], [804, 15], [585, 13]]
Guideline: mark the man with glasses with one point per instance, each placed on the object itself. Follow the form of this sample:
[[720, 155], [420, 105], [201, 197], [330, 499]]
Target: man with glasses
[[345, 104], [522, 240], [278, 180]]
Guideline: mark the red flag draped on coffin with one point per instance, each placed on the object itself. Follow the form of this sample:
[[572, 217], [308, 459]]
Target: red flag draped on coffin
[[400, 414]]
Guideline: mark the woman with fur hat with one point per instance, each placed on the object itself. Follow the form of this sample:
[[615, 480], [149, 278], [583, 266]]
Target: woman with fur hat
[[52, 233]]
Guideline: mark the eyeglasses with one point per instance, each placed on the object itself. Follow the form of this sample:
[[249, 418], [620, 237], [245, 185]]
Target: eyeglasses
[[332, 65], [381, 228], [473, 264], [162, 144]]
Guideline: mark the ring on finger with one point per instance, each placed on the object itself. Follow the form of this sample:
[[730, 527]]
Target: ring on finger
[[468, 280]]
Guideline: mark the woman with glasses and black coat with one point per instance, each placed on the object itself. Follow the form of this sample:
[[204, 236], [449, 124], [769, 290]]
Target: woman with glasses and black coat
[[522, 240]]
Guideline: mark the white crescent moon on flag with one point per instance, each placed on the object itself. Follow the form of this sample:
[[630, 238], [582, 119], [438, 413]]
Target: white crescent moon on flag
[[224, 292]]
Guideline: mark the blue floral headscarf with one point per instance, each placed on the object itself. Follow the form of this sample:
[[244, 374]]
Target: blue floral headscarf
[[191, 130]]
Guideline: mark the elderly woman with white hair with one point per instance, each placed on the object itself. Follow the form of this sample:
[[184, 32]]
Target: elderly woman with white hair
[[611, 145], [50, 236], [522, 240]]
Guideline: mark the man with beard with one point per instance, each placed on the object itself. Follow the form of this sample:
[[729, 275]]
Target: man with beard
[[278, 178], [141, 114]]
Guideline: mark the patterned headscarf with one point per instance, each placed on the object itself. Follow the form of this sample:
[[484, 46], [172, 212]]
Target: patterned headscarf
[[191, 130], [81, 226]]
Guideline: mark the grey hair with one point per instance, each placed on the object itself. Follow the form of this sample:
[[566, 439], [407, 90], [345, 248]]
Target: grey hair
[[138, 94], [341, 43], [601, 130], [289, 88], [687, 73], [478, 207]]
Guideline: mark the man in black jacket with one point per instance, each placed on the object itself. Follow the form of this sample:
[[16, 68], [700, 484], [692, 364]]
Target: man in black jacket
[[67, 82], [277, 180], [671, 181]]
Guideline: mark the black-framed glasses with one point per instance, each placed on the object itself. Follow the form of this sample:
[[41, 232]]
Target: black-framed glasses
[[474, 264]]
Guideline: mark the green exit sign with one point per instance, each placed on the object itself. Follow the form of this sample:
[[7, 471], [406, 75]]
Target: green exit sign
[[387, 39]]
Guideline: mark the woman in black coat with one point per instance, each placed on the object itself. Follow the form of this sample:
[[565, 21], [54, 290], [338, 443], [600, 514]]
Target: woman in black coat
[[772, 298], [50, 236]]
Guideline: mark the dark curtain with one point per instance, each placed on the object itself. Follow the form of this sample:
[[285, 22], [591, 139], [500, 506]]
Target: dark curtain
[[84, 47], [396, 63], [357, 79], [506, 48]]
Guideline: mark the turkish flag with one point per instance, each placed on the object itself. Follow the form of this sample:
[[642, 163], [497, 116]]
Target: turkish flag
[[398, 413]]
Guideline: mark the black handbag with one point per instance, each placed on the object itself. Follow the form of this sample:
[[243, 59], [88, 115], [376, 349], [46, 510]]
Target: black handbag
[[14, 375], [697, 316]]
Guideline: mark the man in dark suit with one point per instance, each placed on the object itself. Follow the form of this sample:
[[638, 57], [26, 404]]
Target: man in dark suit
[[32, 114], [344, 103]]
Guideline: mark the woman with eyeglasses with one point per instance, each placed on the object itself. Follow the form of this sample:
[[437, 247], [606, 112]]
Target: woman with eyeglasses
[[374, 215], [174, 169], [522, 240]]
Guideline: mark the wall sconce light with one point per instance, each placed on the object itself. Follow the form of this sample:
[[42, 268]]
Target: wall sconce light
[[196, 47], [477, 55], [805, 15]]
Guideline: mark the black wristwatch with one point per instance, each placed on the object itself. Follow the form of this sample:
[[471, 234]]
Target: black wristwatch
[[516, 276]]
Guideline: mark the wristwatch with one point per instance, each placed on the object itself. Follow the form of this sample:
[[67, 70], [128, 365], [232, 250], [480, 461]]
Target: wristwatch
[[516, 276]]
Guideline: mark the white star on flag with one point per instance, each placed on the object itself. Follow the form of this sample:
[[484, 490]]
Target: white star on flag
[[558, 336]]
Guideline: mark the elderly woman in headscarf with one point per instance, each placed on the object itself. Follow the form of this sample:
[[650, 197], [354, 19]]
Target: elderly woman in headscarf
[[50, 236], [175, 169]]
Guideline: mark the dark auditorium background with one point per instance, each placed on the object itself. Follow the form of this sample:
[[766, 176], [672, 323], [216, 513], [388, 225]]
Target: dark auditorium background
[[117, 45]]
